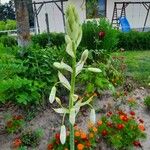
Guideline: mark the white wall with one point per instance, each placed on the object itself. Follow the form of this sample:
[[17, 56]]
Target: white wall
[[55, 15], [135, 13]]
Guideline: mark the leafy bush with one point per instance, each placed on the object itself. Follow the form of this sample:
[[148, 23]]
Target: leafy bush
[[27, 139], [8, 41], [92, 38], [31, 138], [40, 65], [14, 86], [147, 102], [134, 40], [7, 25], [53, 39]]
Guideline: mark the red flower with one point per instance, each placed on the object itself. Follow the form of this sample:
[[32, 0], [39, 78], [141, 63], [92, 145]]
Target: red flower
[[137, 144], [141, 121], [120, 126], [132, 113], [109, 113], [124, 117], [57, 136], [101, 34], [50, 147], [104, 133], [109, 124], [17, 143], [9, 124], [19, 117]]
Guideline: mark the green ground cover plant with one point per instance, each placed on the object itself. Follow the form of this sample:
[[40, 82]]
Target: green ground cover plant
[[138, 65], [147, 102]]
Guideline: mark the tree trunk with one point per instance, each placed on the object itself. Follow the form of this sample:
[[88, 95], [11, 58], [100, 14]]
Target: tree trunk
[[22, 18]]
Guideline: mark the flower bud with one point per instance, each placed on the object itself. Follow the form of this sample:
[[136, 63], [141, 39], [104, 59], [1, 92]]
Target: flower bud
[[96, 70], [93, 116], [84, 56], [52, 94], [63, 134], [72, 116]]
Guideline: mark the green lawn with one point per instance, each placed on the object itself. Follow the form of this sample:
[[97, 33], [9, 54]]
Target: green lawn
[[138, 65]]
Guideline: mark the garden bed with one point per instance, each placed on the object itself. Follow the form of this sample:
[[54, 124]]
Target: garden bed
[[49, 121]]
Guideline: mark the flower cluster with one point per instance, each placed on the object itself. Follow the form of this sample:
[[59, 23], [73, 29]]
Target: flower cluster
[[83, 141], [14, 124], [121, 130]]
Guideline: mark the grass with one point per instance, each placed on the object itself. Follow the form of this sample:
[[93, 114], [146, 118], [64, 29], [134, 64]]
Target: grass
[[138, 66]]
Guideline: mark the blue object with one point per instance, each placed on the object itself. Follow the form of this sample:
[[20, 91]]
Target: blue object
[[125, 26]]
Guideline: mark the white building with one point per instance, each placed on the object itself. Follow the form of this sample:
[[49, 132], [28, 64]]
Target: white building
[[135, 13]]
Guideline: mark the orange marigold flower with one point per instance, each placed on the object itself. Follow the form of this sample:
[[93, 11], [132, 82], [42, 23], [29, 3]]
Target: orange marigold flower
[[91, 135], [131, 100], [141, 127], [50, 147], [90, 125], [94, 129], [88, 144], [99, 122], [9, 124], [124, 117], [83, 135], [80, 146], [77, 133], [17, 143]]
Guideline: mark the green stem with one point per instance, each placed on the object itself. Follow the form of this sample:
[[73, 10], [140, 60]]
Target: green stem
[[71, 103]]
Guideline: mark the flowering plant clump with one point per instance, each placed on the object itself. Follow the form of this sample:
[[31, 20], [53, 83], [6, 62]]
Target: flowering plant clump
[[121, 130], [15, 124], [73, 39], [28, 139], [83, 141]]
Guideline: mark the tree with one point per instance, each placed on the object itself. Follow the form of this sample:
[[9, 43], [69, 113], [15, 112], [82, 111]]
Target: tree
[[22, 18], [7, 11]]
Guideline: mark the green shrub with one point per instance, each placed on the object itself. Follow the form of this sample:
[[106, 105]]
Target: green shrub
[[31, 138], [147, 102], [134, 40], [14, 86], [53, 39], [8, 25], [8, 41], [91, 39]]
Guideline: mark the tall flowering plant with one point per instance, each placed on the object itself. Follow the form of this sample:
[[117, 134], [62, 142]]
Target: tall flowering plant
[[73, 38]]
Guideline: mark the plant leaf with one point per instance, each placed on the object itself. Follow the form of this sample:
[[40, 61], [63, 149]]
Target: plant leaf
[[66, 67], [88, 101], [75, 97], [96, 70], [64, 81], [52, 94], [79, 68], [61, 110], [58, 100]]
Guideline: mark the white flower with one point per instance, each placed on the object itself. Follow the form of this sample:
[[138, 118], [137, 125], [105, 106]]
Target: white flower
[[63, 134], [93, 116], [72, 116], [96, 70], [52, 94]]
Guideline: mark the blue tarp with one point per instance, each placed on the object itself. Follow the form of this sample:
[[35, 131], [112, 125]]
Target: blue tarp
[[125, 26]]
